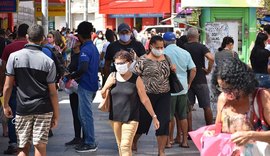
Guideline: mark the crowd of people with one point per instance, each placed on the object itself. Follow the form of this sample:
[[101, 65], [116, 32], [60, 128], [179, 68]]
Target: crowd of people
[[136, 73]]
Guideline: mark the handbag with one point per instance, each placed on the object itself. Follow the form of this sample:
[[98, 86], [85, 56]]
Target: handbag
[[105, 104], [175, 84]]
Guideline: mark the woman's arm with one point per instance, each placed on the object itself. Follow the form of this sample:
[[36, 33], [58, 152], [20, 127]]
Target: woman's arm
[[220, 104], [241, 138], [145, 101], [108, 84]]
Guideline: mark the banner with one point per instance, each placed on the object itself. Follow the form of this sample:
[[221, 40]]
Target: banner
[[222, 3], [53, 10], [8, 6]]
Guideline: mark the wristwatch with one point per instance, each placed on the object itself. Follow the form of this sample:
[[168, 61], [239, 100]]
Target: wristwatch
[[154, 116]]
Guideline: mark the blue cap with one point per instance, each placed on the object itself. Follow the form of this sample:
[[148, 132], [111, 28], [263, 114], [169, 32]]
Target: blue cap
[[169, 36], [123, 26]]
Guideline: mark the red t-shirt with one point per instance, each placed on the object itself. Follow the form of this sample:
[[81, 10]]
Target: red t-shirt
[[12, 47]]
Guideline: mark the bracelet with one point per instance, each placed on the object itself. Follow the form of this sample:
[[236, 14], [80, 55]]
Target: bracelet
[[154, 116]]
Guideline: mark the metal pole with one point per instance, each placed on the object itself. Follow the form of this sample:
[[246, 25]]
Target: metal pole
[[172, 11], [85, 14], [44, 10], [67, 13]]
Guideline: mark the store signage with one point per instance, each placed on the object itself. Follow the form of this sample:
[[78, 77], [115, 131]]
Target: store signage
[[134, 6], [222, 3], [8, 6], [134, 15], [55, 8]]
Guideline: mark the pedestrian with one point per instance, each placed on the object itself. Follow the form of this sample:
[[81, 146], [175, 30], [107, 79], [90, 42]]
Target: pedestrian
[[16, 45], [110, 37], [260, 59], [127, 90], [236, 86], [154, 70], [37, 99], [226, 50], [73, 97], [87, 74], [199, 87], [124, 43], [179, 101]]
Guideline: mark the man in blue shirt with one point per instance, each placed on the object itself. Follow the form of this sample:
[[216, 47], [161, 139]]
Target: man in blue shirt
[[179, 101], [87, 74]]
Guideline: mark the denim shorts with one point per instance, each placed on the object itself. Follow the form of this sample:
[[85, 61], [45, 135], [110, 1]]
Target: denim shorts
[[263, 79]]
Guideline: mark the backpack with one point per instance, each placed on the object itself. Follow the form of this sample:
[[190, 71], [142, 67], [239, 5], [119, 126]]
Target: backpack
[[59, 62]]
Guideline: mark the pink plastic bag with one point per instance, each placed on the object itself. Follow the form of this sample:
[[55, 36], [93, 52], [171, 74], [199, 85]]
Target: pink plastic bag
[[217, 145]]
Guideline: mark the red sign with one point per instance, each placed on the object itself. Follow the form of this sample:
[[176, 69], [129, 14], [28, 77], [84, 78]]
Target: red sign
[[52, 1], [134, 6]]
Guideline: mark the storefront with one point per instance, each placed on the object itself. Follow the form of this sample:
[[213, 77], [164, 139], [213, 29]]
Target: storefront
[[227, 18], [136, 13], [7, 7]]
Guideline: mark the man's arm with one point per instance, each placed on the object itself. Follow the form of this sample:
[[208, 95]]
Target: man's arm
[[77, 74], [210, 59], [192, 75], [7, 93], [54, 100]]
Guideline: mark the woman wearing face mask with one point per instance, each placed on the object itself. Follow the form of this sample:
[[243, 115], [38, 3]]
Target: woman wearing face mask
[[73, 98], [226, 50], [155, 70], [99, 41], [259, 60], [127, 90]]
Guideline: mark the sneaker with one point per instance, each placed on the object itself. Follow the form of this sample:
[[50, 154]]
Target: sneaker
[[11, 150], [86, 148], [75, 141]]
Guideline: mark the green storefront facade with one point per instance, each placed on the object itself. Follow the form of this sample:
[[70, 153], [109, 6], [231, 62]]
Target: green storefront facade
[[240, 14]]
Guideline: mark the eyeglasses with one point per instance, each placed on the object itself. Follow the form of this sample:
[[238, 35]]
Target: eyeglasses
[[119, 63], [224, 90]]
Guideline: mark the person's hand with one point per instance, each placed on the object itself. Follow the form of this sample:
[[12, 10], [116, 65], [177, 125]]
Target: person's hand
[[54, 122], [103, 93], [8, 112], [156, 123], [207, 71], [241, 138], [173, 67]]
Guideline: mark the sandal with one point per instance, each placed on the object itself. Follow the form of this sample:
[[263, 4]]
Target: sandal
[[184, 146]]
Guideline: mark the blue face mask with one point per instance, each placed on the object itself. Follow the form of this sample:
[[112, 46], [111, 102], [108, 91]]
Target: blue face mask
[[125, 38]]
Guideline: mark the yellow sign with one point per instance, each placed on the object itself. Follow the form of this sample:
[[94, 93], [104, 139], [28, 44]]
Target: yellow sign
[[222, 3], [54, 10]]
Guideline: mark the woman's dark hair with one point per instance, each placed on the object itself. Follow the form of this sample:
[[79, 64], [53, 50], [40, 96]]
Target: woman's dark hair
[[259, 42], [154, 40], [57, 38], [109, 34], [236, 74], [122, 54], [181, 41], [226, 40]]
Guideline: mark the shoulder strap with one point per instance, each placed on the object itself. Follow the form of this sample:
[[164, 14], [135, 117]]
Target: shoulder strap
[[167, 59]]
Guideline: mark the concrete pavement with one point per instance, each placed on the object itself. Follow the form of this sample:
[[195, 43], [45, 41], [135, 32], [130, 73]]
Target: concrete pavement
[[147, 145]]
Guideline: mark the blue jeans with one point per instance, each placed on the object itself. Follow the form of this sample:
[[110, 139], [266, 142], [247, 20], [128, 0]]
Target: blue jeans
[[11, 127], [263, 79], [86, 115]]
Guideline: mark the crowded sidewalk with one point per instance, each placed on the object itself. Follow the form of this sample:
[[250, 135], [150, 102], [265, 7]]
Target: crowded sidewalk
[[106, 142]]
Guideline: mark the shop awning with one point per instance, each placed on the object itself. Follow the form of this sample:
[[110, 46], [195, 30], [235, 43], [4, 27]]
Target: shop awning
[[222, 3]]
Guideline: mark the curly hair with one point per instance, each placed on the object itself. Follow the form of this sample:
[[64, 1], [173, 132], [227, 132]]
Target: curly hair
[[236, 74]]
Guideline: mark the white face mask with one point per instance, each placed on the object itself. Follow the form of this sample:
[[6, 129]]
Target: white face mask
[[121, 68], [125, 38], [157, 52], [100, 36]]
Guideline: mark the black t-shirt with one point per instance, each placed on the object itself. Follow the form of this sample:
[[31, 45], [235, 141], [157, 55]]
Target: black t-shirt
[[114, 47], [73, 66], [259, 60], [197, 52]]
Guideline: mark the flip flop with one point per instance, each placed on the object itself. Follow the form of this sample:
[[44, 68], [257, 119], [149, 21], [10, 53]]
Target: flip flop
[[168, 146], [183, 146]]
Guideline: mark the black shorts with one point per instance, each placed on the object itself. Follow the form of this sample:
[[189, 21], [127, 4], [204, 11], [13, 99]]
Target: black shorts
[[201, 91], [161, 106]]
